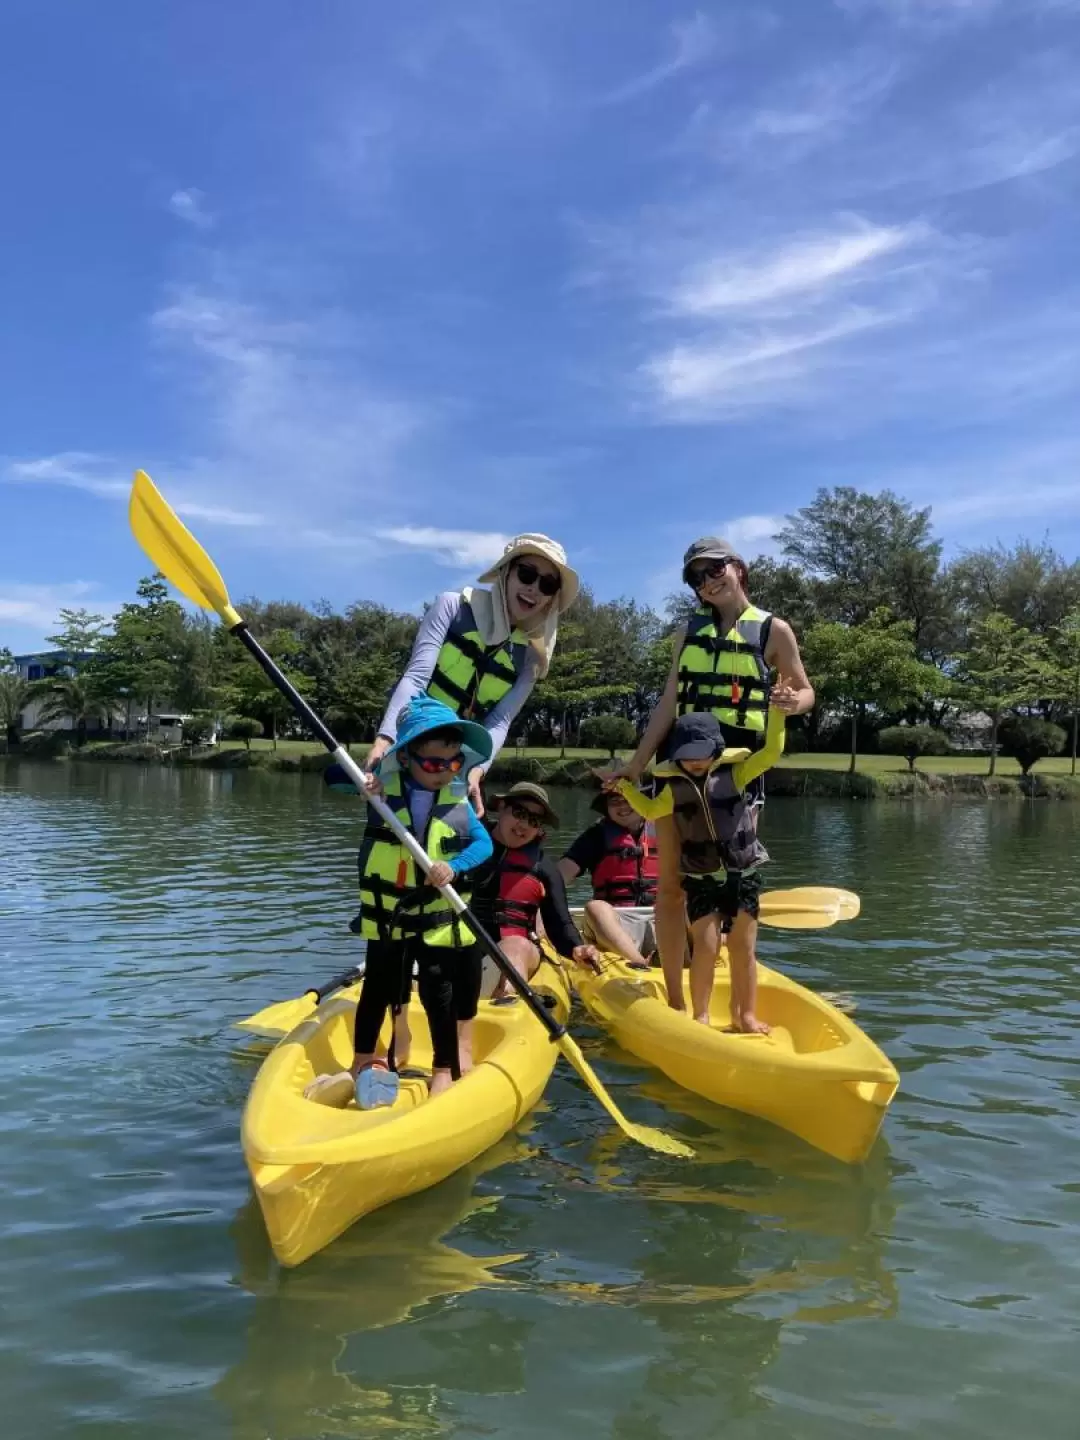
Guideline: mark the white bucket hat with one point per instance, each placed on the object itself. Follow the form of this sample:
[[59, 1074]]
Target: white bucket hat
[[548, 549]]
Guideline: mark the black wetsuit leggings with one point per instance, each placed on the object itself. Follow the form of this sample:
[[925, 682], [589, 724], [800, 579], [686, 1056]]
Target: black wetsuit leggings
[[449, 984]]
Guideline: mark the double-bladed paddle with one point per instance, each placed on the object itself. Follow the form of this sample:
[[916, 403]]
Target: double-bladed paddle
[[183, 561]]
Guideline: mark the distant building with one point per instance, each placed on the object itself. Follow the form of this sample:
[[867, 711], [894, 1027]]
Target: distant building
[[46, 665], [164, 724]]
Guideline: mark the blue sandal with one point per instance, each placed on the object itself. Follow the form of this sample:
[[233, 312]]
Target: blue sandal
[[376, 1086]]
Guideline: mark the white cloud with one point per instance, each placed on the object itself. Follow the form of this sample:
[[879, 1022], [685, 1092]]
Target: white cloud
[[283, 408], [753, 535], [37, 607], [716, 380], [187, 205], [470, 548], [806, 264], [93, 474], [75, 469], [691, 43], [801, 113], [1024, 485]]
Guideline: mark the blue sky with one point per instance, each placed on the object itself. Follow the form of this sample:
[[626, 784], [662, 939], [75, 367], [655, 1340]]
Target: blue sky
[[366, 288]]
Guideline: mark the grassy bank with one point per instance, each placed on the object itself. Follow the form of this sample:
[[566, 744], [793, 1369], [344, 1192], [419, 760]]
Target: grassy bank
[[798, 776]]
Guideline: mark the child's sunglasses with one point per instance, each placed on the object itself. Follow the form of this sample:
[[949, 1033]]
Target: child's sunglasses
[[698, 574], [528, 574], [524, 814], [436, 764]]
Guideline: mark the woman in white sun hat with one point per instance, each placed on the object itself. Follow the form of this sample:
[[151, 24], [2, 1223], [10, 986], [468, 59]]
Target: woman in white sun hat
[[481, 651]]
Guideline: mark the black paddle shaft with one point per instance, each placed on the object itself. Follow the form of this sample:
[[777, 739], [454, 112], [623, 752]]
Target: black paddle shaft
[[300, 705], [337, 983], [274, 674]]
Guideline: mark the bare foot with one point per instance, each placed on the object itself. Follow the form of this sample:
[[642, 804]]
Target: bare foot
[[440, 1081], [749, 1024], [704, 1018]]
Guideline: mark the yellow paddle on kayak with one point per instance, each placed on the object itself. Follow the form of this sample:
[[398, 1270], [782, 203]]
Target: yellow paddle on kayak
[[180, 557], [285, 1015], [808, 907]]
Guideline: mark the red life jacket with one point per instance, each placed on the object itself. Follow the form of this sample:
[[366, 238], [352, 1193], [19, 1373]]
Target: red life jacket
[[627, 873], [520, 890]]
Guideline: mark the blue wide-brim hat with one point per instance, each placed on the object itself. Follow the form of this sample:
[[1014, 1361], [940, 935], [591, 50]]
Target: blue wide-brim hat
[[423, 715]]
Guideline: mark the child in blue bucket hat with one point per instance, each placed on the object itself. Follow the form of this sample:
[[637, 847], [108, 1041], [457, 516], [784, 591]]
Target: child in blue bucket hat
[[404, 917]]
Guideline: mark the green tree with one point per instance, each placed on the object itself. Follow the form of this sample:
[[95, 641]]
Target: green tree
[[14, 697], [575, 682], [1004, 666], [785, 590], [1028, 739], [866, 552], [872, 664], [252, 691], [144, 656], [75, 698], [359, 693], [911, 741], [79, 636], [1066, 664], [244, 727], [608, 732], [1032, 584]]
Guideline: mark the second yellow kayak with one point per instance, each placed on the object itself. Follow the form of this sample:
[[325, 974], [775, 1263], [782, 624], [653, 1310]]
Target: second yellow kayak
[[317, 1170], [816, 1074]]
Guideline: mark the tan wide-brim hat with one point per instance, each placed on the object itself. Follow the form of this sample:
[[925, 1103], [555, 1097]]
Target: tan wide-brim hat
[[526, 790], [548, 549]]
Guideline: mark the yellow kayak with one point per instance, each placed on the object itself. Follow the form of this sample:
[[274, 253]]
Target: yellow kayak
[[816, 1074], [317, 1170]]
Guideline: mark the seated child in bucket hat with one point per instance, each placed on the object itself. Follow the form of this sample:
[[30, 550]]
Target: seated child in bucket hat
[[705, 789], [520, 888]]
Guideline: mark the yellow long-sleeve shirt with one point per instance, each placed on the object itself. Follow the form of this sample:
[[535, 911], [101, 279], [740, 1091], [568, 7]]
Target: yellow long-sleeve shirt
[[655, 807]]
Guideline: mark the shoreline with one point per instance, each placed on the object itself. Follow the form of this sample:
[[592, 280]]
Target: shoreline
[[784, 782]]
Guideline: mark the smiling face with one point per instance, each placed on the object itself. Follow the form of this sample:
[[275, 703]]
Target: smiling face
[[620, 812], [517, 823], [718, 583], [525, 601]]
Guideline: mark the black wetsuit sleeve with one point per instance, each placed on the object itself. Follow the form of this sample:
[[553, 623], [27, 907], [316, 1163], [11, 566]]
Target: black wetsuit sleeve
[[587, 850], [555, 911]]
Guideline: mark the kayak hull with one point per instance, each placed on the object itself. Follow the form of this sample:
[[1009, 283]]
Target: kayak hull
[[817, 1075], [316, 1170]]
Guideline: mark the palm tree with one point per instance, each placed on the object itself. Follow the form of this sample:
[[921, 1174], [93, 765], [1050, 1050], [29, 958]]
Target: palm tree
[[14, 693], [73, 698]]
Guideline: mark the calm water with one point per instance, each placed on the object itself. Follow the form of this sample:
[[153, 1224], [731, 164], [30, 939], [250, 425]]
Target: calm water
[[567, 1284]]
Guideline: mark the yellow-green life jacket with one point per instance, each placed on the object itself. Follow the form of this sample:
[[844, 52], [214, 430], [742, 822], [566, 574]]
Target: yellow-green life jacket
[[727, 674], [396, 902], [472, 677]]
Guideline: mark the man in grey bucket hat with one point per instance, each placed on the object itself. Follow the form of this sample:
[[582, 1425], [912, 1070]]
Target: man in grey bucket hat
[[733, 660]]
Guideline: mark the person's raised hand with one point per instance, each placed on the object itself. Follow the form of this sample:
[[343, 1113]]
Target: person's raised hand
[[476, 797], [440, 874]]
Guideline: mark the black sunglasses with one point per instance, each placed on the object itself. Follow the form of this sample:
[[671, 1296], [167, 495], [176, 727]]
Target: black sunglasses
[[697, 575], [524, 814], [528, 574]]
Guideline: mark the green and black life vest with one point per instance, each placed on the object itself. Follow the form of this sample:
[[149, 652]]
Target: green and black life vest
[[714, 822], [396, 903], [727, 675], [472, 677]]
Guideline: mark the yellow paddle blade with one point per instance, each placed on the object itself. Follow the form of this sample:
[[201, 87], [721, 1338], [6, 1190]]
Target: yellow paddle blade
[[795, 917], [175, 551], [808, 907], [645, 1135], [279, 1019]]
